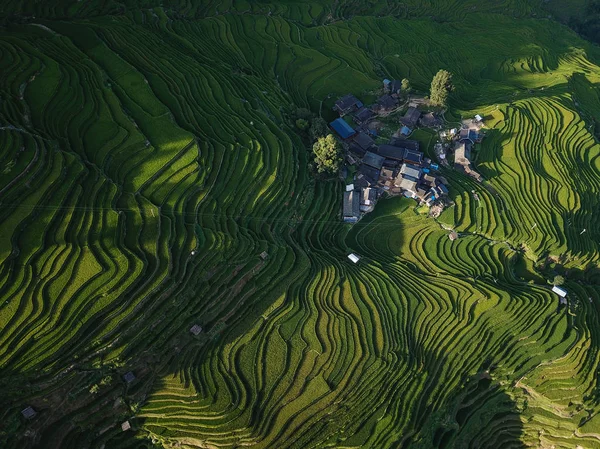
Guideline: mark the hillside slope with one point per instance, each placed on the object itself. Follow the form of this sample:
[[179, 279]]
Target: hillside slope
[[147, 163]]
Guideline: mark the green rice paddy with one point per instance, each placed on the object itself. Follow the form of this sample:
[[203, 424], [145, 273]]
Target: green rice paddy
[[146, 162]]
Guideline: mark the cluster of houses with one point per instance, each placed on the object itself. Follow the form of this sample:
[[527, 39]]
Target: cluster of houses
[[397, 167]]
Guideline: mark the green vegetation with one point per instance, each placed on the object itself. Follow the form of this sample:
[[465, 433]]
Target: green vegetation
[[328, 154], [441, 86], [150, 154]]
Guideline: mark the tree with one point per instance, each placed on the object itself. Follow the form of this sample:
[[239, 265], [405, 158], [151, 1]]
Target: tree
[[318, 128], [328, 154], [302, 124], [441, 86], [558, 280], [405, 84]]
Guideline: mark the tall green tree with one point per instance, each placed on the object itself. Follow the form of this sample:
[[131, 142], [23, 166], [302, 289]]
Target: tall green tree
[[328, 154], [405, 84], [441, 86]]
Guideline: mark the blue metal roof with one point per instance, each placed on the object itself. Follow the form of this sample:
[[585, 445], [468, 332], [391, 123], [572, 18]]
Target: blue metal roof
[[405, 130], [342, 128]]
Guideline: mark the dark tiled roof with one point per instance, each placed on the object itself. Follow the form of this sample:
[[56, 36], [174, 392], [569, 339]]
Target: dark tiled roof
[[387, 102], [391, 152], [405, 143], [373, 160], [411, 117], [347, 102], [363, 140], [362, 115], [415, 157], [369, 173]]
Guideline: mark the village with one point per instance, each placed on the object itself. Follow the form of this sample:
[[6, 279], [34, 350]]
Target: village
[[398, 167]]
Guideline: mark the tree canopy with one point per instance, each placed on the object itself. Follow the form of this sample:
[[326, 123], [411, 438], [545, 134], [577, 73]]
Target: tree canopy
[[441, 86], [328, 154]]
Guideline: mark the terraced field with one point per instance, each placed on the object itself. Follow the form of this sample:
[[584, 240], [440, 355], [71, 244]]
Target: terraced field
[[146, 162]]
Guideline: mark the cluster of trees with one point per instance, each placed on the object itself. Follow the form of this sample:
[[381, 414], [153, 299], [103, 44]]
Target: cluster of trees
[[314, 132]]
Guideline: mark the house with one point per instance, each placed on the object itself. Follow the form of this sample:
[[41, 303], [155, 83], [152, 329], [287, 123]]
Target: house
[[462, 153], [263, 256], [373, 160], [469, 135], [404, 143], [125, 426], [559, 291], [28, 413], [351, 212], [367, 199], [407, 185], [411, 118], [343, 129], [411, 172], [353, 257], [391, 152], [363, 115], [349, 187], [386, 103], [478, 118], [129, 377], [387, 173], [196, 329], [430, 120], [405, 130], [386, 85], [395, 87], [367, 176], [453, 235], [346, 104], [363, 140], [413, 157]]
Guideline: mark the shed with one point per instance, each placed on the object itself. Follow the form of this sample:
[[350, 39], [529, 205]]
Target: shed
[[349, 187], [125, 426], [343, 129], [28, 413], [373, 160], [478, 118], [196, 329], [405, 131], [453, 235], [264, 255], [353, 257], [559, 291], [129, 377]]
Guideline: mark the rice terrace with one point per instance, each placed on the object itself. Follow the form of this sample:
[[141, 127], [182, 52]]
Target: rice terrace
[[299, 224]]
